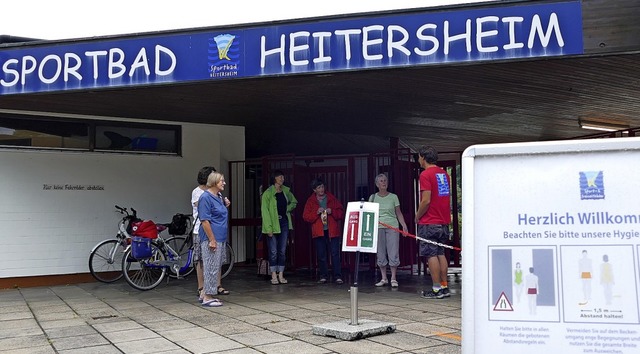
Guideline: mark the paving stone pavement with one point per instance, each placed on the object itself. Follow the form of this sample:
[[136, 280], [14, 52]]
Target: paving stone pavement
[[256, 317]]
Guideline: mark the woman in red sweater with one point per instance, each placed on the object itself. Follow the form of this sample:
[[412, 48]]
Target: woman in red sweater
[[324, 211]]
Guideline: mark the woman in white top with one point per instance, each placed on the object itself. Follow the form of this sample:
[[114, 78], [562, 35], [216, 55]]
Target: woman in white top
[[388, 239]]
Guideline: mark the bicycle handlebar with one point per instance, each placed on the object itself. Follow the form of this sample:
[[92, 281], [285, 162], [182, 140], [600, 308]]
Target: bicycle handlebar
[[133, 215], [126, 221]]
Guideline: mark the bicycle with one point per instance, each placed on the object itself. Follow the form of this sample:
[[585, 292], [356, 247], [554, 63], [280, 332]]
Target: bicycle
[[105, 259], [186, 243], [183, 246], [172, 257]]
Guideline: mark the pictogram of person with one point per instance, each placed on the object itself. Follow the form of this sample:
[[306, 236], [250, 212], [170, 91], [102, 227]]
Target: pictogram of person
[[586, 269], [606, 279], [518, 281], [531, 281]]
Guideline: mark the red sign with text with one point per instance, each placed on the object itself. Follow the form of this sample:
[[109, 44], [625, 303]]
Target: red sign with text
[[353, 229]]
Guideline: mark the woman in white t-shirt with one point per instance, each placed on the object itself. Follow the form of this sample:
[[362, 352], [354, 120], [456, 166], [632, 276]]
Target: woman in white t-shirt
[[388, 239]]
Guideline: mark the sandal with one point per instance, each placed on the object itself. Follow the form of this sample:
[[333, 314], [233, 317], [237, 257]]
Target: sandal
[[394, 283], [223, 291], [274, 281], [382, 282], [212, 303], [282, 280]]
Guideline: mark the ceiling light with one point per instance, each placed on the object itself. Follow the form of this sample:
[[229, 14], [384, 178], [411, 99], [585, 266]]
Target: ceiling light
[[602, 126]]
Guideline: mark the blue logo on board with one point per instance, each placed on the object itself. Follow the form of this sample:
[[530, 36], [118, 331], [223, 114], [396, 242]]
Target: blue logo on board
[[591, 185], [224, 56]]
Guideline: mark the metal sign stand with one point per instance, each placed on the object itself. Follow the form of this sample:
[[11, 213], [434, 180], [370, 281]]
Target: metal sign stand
[[354, 329], [354, 292]]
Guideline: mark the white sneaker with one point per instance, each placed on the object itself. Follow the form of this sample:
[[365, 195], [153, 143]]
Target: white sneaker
[[382, 282]]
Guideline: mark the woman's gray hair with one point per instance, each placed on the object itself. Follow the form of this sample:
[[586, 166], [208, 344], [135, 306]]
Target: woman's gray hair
[[378, 177], [214, 178]]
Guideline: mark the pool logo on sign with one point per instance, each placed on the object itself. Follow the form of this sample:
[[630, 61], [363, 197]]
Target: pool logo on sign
[[224, 56], [591, 185]]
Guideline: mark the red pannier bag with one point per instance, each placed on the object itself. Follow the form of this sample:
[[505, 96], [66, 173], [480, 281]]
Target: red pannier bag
[[145, 228]]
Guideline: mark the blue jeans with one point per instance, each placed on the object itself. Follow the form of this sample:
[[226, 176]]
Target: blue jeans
[[278, 247], [335, 244]]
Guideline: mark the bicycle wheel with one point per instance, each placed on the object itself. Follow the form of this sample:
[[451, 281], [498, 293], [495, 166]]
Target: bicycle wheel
[[228, 261], [105, 261], [182, 246], [144, 274]]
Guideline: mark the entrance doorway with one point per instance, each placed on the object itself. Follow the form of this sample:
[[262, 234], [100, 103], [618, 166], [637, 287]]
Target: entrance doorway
[[350, 178]]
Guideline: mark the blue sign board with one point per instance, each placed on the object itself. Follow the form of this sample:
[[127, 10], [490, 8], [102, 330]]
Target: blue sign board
[[394, 40]]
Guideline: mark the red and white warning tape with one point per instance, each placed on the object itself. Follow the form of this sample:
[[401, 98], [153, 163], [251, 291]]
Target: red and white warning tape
[[418, 238]]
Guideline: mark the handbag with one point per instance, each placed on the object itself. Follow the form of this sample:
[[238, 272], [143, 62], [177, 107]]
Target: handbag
[[145, 228]]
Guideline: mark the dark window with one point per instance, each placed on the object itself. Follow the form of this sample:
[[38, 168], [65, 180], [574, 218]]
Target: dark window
[[43, 134], [144, 138], [50, 133]]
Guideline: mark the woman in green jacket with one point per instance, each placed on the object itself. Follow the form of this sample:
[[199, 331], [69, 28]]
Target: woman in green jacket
[[277, 204]]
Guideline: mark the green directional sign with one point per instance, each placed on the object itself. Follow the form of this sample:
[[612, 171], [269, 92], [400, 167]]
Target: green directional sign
[[368, 226]]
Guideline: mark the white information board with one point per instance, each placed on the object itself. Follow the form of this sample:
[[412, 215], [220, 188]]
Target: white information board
[[361, 227], [551, 247]]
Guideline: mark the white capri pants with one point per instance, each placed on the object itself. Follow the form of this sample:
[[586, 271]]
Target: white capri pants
[[388, 247]]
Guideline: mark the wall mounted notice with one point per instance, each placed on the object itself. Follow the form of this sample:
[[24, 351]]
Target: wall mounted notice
[[551, 252], [72, 187]]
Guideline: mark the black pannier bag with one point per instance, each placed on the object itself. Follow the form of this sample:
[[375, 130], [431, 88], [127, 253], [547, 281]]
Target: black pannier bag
[[179, 224]]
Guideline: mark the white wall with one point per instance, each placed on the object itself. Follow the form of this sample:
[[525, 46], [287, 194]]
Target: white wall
[[46, 232]]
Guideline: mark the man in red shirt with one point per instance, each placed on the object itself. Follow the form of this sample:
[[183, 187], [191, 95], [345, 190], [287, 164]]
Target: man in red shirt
[[433, 218]]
